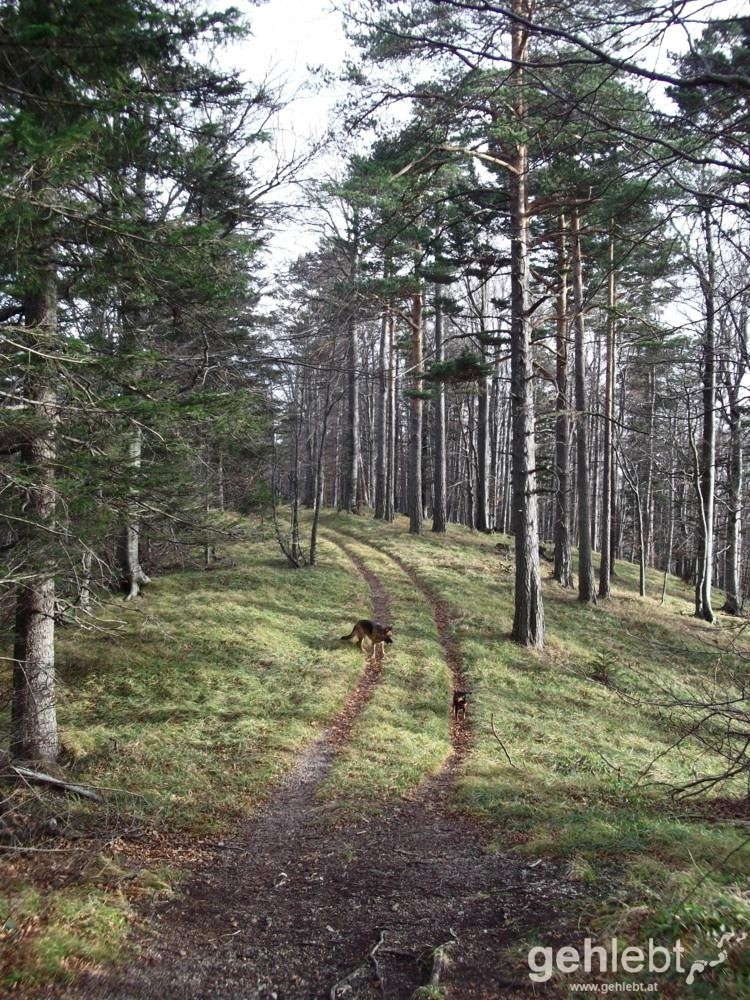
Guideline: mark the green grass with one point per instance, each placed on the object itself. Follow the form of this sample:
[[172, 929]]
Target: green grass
[[61, 932], [217, 681], [403, 733], [197, 705], [189, 714], [578, 723]]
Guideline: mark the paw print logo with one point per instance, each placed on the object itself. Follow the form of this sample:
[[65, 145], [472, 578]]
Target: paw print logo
[[700, 965]]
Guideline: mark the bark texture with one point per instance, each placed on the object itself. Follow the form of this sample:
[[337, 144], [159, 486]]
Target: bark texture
[[416, 513], [732, 598], [586, 586], [381, 425], [563, 571], [133, 575], [528, 619], [707, 478], [33, 714], [351, 495], [439, 498], [605, 573]]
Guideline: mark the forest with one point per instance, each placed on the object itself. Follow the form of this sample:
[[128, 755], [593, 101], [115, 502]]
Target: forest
[[492, 389]]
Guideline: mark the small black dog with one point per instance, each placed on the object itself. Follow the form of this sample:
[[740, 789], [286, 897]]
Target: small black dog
[[460, 700]]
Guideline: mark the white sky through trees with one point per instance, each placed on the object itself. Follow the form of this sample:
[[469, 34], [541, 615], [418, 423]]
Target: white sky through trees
[[299, 47]]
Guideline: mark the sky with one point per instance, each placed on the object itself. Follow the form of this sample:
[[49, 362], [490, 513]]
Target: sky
[[289, 37]]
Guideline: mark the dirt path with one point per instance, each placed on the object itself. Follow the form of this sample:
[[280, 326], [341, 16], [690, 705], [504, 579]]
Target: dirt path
[[292, 907], [461, 732]]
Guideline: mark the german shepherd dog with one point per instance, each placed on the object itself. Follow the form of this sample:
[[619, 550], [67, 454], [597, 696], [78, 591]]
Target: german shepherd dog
[[365, 629]]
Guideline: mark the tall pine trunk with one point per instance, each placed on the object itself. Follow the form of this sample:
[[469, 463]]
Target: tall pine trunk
[[133, 574], [483, 454], [703, 608], [586, 587], [319, 477], [390, 461], [528, 618], [439, 504], [605, 573], [351, 496], [732, 601], [381, 424], [415, 423], [562, 571]]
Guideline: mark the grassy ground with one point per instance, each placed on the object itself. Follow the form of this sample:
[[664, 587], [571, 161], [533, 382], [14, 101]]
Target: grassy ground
[[403, 733], [580, 726], [197, 706], [188, 714]]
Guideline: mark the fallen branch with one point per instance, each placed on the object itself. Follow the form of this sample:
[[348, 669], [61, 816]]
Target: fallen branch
[[378, 972], [360, 970], [14, 771], [439, 960], [494, 733]]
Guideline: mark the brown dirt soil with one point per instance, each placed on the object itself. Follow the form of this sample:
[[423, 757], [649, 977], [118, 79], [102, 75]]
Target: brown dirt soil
[[295, 909]]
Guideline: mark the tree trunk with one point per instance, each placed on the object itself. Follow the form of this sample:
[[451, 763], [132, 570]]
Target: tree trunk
[[318, 502], [84, 586], [607, 532], [703, 608], [439, 516], [495, 428], [221, 501], [336, 465], [670, 537], [648, 511], [638, 515], [308, 498], [594, 431], [381, 427], [586, 587], [351, 496], [467, 437], [209, 547], [483, 455], [416, 512], [528, 619], [482, 522], [133, 575], [563, 571], [506, 509], [605, 573], [733, 602], [390, 464], [33, 734]]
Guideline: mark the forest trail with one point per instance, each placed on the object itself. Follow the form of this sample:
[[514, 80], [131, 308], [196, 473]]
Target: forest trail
[[296, 908]]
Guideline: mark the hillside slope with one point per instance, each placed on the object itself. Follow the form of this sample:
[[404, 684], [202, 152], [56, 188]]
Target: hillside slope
[[215, 682]]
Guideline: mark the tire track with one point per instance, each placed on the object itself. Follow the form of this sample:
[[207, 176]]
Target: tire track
[[181, 961], [461, 734], [293, 906], [340, 730], [461, 731]]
